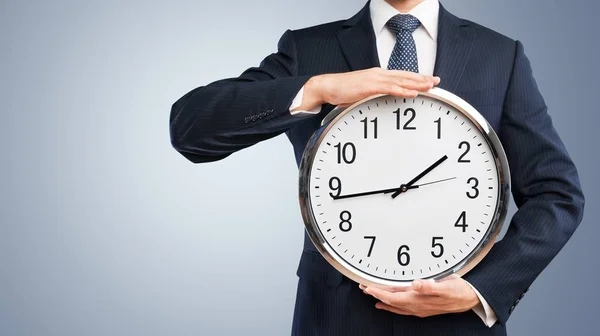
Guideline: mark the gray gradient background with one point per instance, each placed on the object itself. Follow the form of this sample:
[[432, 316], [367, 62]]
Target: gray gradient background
[[106, 230]]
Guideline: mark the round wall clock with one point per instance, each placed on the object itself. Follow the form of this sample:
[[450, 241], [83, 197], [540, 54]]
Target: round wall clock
[[395, 189]]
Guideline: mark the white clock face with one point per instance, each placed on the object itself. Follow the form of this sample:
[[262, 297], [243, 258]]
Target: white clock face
[[402, 189]]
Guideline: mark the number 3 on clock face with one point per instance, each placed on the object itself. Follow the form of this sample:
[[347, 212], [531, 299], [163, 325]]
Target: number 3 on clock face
[[397, 189]]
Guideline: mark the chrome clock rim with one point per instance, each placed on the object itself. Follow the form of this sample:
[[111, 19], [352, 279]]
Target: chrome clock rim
[[469, 262]]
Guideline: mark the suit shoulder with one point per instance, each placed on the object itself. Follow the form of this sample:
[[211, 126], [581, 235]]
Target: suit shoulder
[[324, 30], [489, 35]]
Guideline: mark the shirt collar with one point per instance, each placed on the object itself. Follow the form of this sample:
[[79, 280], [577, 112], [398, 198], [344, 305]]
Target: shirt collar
[[427, 12]]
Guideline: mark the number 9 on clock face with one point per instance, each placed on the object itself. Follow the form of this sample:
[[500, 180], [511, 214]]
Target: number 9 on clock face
[[396, 189]]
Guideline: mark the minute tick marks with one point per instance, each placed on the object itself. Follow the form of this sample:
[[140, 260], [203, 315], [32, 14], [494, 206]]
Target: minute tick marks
[[347, 172]]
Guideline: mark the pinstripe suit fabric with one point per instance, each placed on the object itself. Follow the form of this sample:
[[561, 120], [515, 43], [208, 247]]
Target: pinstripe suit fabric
[[488, 70]]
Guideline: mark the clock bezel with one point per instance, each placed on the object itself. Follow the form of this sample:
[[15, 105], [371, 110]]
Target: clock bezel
[[472, 259]]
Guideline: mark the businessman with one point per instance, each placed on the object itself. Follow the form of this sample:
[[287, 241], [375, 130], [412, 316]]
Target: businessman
[[401, 47]]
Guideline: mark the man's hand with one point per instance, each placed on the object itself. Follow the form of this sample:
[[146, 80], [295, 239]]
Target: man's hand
[[426, 297], [349, 87]]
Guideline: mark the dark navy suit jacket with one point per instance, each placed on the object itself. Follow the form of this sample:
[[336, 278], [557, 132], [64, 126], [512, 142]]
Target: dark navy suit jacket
[[488, 70]]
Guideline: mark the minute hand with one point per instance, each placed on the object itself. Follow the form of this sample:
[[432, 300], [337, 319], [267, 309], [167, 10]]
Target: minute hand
[[407, 186]]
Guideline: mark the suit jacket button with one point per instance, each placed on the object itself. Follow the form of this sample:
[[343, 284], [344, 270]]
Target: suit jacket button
[[253, 118], [247, 120], [511, 309], [269, 111]]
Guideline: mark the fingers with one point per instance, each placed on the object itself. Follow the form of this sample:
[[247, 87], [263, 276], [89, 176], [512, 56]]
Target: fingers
[[393, 309], [412, 76], [398, 91], [400, 289], [391, 289], [428, 287], [407, 74], [410, 84], [405, 83], [439, 288], [450, 277], [382, 295], [348, 88], [400, 298], [425, 297], [407, 303]]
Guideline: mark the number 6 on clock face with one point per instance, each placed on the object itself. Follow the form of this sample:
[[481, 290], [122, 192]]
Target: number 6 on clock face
[[395, 189]]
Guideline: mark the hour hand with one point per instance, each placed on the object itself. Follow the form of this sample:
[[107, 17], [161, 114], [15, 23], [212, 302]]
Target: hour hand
[[390, 190], [404, 187], [367, 193]]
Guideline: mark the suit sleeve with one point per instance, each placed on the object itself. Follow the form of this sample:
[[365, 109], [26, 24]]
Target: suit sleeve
[[546, 190], [211, 122]]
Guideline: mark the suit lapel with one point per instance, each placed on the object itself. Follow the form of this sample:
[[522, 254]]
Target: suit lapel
[[455, 41], [357, 41]]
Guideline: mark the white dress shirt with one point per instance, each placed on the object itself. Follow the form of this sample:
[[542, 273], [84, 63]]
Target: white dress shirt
[[425, 37]]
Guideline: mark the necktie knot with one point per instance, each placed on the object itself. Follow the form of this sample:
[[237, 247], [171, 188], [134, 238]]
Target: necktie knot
[[403, 23]]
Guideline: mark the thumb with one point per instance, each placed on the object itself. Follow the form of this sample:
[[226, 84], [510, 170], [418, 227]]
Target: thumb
[[427, 287], [450, 277]]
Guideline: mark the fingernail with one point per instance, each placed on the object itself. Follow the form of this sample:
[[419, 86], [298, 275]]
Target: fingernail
[[417, 284]]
